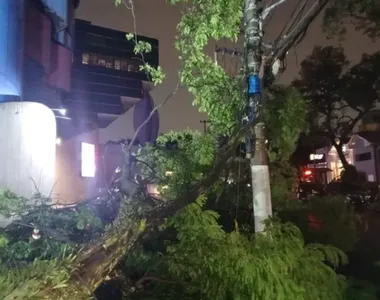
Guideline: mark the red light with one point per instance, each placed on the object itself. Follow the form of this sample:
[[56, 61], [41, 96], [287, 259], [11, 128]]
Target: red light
[[308, 172]]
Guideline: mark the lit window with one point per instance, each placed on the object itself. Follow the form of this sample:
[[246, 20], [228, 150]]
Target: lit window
[[101, 62], [88, 160], [117, 64], [124, 65], [109, 64], [85, 58]]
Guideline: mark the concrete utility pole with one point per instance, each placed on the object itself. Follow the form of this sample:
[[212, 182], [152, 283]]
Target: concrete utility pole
[[205, 122], [254, 68], [262, 204]]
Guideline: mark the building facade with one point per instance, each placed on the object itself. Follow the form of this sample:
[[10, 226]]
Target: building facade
[[63, 85], [109, 91], [362, 151]]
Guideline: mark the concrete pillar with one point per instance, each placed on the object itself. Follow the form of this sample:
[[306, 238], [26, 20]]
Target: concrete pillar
[[27, 148]]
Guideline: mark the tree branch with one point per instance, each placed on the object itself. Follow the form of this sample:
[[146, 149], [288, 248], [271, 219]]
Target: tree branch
[[152, 113], [152, 278], [102, 256]]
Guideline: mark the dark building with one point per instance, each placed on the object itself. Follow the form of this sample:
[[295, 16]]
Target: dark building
[[106, 79]]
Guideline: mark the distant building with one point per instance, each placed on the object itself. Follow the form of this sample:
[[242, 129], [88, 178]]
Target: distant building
[[362, 151], [106, 78], [366, 146]]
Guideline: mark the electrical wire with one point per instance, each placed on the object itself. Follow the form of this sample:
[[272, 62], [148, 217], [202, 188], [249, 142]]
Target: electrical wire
[[304, 16], [295, 15], [271, 13]]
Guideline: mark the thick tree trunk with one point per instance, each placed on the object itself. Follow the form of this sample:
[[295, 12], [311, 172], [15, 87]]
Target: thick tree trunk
[[342, 157], [101, 257]]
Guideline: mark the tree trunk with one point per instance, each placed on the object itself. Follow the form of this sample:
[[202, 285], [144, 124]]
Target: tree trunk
[[342, 157], [100, 258]]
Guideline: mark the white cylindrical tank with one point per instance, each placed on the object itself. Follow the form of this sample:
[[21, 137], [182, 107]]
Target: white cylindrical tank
[[27, 148]]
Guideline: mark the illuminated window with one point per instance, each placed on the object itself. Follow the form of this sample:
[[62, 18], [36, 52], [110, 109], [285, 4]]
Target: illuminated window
[[85, 58], [117, 64], [88, 160], [102, 62]]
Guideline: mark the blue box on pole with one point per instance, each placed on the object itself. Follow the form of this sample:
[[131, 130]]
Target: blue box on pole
[[254, 86]]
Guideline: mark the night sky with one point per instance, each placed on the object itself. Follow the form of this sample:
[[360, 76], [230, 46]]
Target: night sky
[[157, 19]]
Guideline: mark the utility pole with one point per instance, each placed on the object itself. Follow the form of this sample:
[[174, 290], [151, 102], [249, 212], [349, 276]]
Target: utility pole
[[254, 71], [205, 122], [256, 147]]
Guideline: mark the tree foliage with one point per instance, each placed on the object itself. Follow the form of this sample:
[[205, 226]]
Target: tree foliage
[[285, 119], [364, 15], [215, 92], [205, 262], [338, 97]]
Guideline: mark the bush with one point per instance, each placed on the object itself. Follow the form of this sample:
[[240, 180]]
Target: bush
[[325, 220]]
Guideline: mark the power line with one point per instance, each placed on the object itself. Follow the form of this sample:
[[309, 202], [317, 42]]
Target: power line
[[289, 23]]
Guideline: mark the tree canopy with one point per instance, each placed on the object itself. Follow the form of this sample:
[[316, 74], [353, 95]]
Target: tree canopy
[[364, 15], [339, 96]]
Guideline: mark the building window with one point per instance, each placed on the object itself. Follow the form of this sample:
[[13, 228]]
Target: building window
[[101, 62], [363, 156], [109, 62], [132, 68], [124, 65], [93, 59], [88, 164], [85, 58]]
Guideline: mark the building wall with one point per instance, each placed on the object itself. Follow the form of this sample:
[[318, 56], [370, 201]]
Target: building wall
[[70, 186], [38, 29], [364, 157], [366, 166]]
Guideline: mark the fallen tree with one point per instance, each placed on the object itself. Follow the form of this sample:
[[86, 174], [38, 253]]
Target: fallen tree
[[89, 263]]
